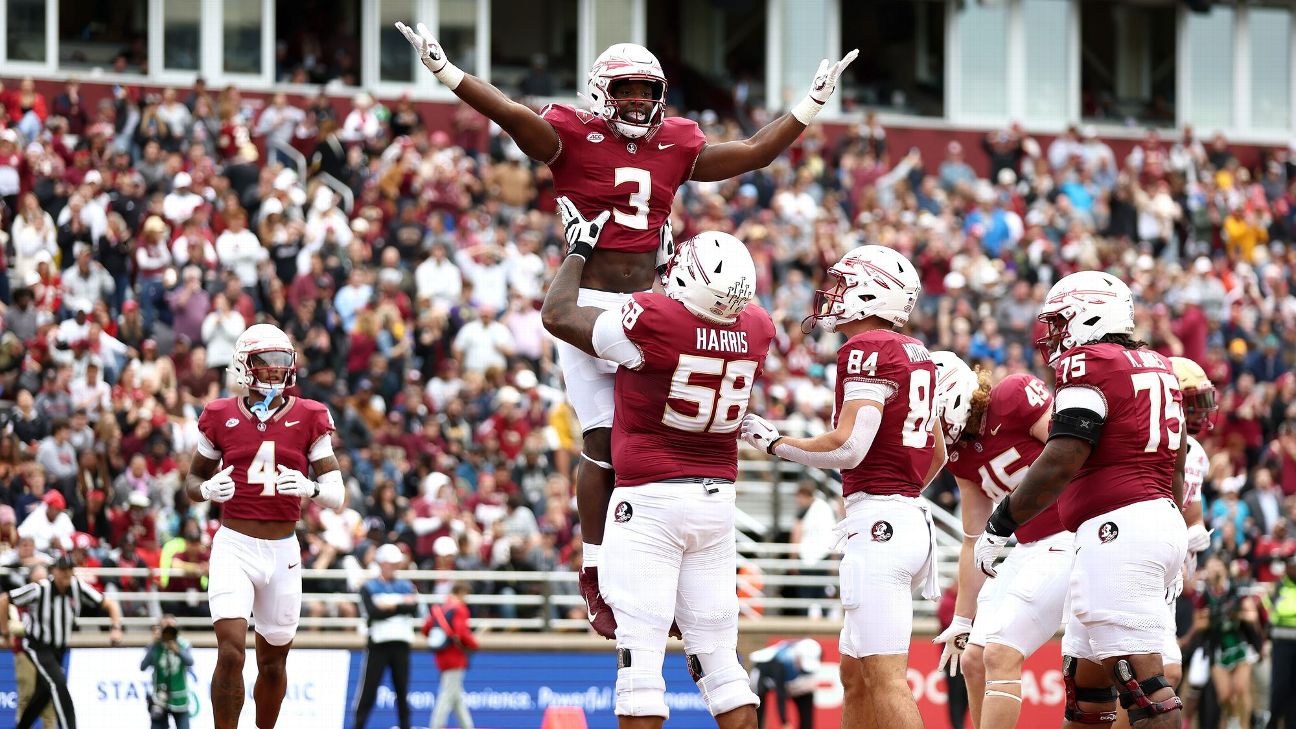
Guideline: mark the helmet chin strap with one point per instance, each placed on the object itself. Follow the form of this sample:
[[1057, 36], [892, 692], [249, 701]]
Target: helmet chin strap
[[262, 409]]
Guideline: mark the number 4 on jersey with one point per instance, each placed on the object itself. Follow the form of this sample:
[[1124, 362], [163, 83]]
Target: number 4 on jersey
[[262, 470]]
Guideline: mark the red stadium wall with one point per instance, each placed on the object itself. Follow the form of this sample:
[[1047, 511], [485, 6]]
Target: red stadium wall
[[1042, 691], [931, 142]]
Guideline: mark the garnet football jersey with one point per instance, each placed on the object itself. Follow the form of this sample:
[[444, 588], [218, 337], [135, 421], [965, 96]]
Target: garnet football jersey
[[634, 178], [999, 456], [904, 445], [1134, 459], [257, 449], [677, 416]]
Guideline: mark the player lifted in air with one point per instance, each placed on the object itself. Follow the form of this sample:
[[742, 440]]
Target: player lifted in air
[[624, 155], [992, 436], [688, 360], [1199, 411], [884, 444], [1116, 443], [266, 440]]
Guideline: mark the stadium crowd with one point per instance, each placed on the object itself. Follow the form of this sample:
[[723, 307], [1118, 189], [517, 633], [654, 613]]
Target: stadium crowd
[[142, 235]]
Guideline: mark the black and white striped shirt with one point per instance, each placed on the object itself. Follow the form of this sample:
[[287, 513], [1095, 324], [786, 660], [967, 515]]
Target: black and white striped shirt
[[51, 615]]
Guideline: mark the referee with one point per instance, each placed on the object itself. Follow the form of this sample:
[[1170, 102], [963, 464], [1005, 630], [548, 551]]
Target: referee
[[53, 606], [391, 605]]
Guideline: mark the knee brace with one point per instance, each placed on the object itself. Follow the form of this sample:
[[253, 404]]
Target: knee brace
[[1076, 694], [1134, 697], [640, 688], [721, 679], [1004, 682]]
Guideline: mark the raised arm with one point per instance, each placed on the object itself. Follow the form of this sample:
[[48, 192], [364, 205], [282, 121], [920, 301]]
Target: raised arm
[[842, 447], [533, 135], [562, 316], [731, 159]]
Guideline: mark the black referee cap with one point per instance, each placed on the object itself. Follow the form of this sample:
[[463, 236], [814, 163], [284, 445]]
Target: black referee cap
[[64, 562]]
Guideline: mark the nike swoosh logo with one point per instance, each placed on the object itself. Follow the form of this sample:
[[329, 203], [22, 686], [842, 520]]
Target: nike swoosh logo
[[851, 535], [1056, 549], [664, 146], [291, 423], [293, 565], [996, 429]]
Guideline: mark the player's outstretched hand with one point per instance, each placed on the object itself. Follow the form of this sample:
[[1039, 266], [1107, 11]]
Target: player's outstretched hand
[[220, 487], [292, 482], [986, 552], [758, 432], [955, 639], [582, 235], [825, 80], [426, 45]]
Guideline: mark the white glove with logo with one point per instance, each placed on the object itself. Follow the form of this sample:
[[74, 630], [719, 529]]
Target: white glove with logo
[[292, 482], [955, 638], [825, 82], [432, 55], [986, 552], [1199, 538], [220, 487], [758, 432], [582, 235]]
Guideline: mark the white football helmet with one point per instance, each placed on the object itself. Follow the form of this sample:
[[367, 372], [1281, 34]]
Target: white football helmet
[[264, 360], [627, 62], [955, 384], [713, 276], [1083, 308], [867, 281]]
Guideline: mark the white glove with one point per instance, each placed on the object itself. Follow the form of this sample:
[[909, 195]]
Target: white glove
[[955, 638], [292, 482], [758, 432], [431, 54], [218, 488], [986, 552], [825, 80], [1175, 589], [582, 234], [1199, 538]]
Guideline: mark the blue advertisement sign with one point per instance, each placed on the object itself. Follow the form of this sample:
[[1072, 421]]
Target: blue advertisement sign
[[513, 690]]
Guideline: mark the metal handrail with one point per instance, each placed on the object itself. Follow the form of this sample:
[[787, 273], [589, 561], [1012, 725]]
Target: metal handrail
[[333, 183], [292, 153]]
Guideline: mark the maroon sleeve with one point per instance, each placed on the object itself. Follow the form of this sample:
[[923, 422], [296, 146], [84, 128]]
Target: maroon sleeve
[[1030, 397], [321, 424], [649, 322], [564, 121], [872, 359], [209, 422]]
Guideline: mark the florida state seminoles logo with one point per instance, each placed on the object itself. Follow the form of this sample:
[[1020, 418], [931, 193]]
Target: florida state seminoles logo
[[1107, 532], [881, 531], [623, 512]]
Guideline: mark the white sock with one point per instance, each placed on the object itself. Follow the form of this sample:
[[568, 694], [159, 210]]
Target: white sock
[[590, 554]]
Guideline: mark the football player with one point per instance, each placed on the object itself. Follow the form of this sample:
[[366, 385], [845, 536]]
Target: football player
[[1199, 412], [992, 435], [884, 444], [1115, 445], [688, 359], [266, 441], [624, 155]]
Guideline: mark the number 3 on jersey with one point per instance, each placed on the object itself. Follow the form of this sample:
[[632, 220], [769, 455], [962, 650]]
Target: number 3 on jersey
[[717, 411], [642, 180], [262, 470]]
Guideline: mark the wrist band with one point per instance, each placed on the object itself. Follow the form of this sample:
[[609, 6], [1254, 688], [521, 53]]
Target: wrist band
[[1001, 523], [582, 249], [806, 110], [450, 75]]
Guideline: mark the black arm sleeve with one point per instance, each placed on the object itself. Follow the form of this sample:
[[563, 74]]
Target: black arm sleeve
[[1081, 423], [366, 599]]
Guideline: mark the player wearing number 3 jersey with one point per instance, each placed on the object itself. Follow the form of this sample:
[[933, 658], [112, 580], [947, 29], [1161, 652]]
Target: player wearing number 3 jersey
[[885, 446], [688, 360], [993, 435], [267, 442], [623, 155], [1116, 442]]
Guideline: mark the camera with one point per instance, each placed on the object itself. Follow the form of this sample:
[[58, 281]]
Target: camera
[[170, 632]]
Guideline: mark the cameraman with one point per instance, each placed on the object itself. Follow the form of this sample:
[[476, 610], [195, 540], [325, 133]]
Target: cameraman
[[170, 658]]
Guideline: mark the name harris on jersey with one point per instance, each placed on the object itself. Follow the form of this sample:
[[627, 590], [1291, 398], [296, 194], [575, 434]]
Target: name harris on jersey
[[718, 340]]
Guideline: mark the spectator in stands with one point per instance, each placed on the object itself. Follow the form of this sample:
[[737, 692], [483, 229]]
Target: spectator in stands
[[49, 528]]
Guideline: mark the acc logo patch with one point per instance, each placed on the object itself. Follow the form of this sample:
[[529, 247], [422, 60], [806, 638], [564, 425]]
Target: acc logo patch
[[881, 531], [231, 422], [594, 137], [623, 512], [1107, 532]]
